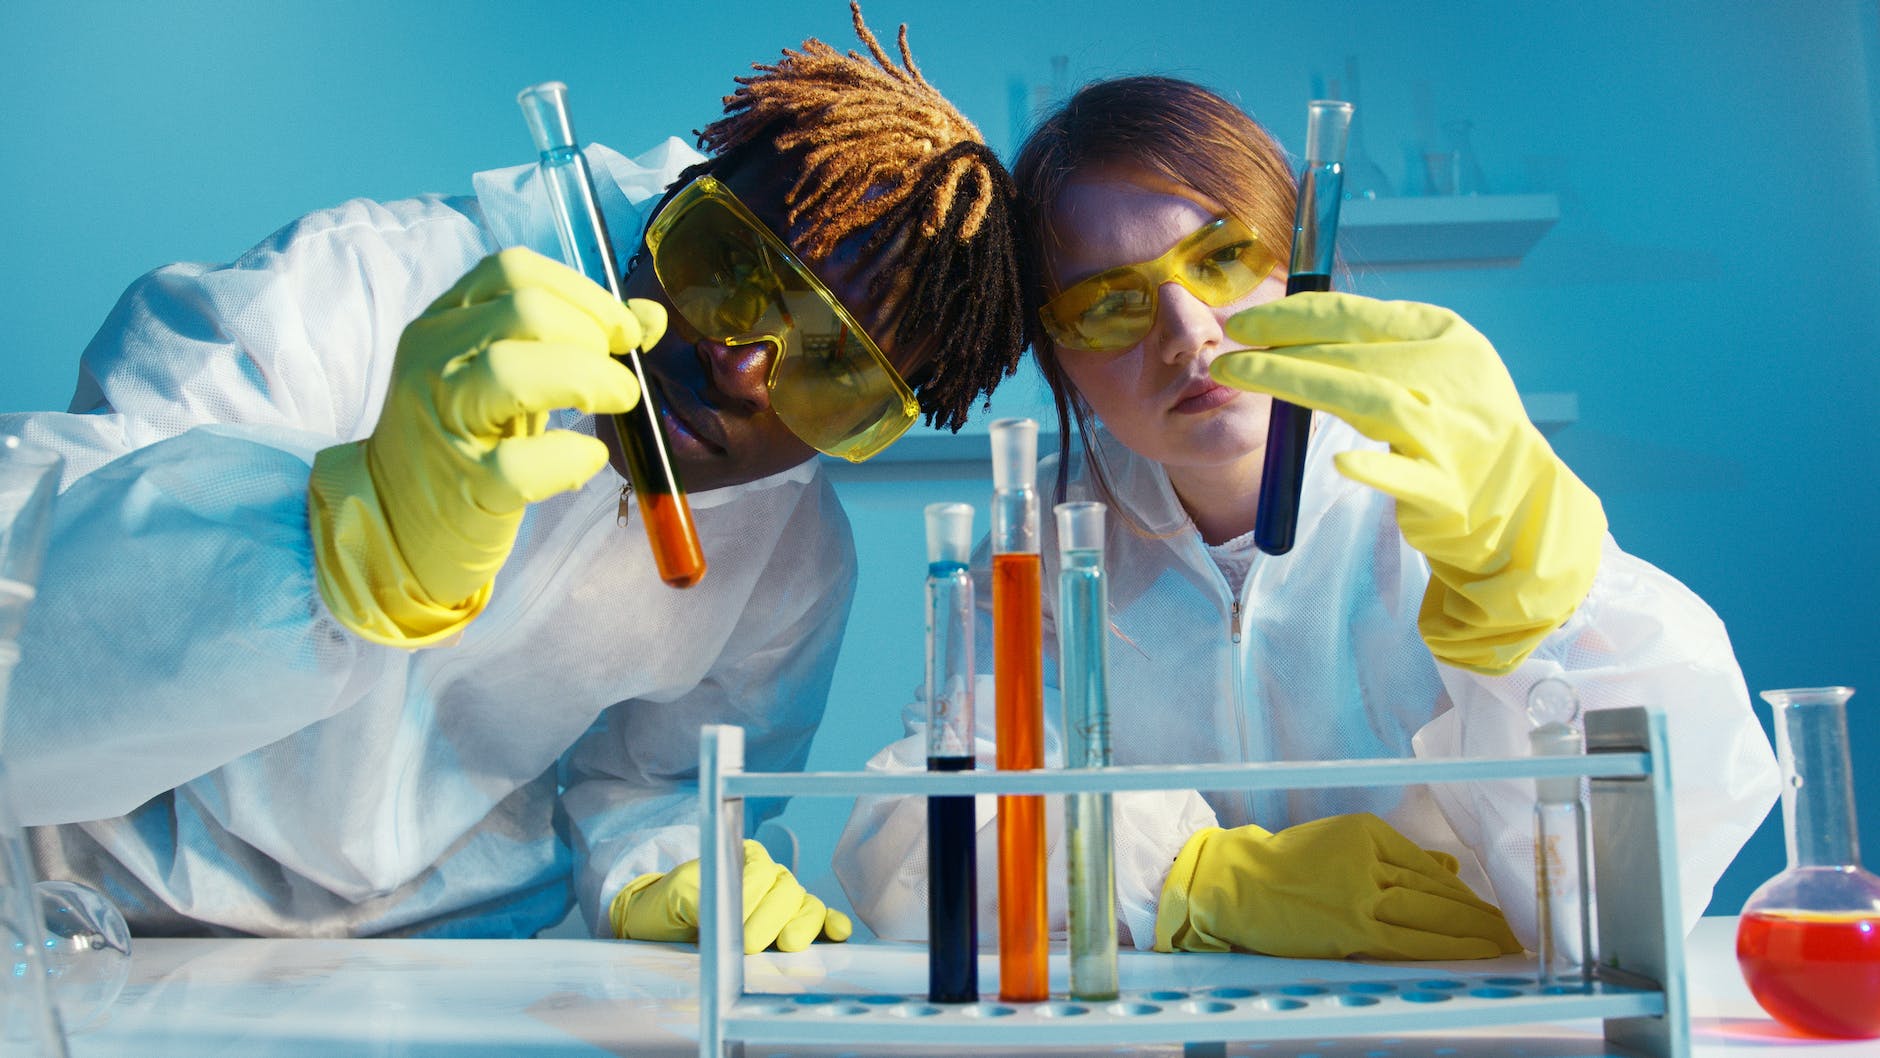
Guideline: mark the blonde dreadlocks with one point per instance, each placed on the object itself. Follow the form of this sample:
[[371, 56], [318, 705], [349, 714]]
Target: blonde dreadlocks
[[885, 155]]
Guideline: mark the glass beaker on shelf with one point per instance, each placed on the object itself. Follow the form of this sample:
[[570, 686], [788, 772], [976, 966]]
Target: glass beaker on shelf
[[1466, 173], [1808, 941], [1364, 178]]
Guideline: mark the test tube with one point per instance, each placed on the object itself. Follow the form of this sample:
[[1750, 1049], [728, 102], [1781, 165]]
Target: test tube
[[587, 247], [1018, 690], [1083, 628], [1314, 243], [952, 854], [1562, 887]]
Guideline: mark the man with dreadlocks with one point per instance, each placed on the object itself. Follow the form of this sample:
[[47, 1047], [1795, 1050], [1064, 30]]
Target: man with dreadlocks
[[375, 657]]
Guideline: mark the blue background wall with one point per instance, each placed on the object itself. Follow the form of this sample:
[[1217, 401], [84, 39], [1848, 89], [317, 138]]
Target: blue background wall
[[1711, 292]]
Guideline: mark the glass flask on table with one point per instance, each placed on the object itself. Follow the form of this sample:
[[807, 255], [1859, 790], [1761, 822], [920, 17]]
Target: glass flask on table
[[1808, 940], [29, 1018]]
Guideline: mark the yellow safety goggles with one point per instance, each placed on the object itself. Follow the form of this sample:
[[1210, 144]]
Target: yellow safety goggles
[[736, 282], [1221, 262]]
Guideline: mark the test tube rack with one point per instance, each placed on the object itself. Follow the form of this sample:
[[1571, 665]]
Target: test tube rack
[[1637, 988]]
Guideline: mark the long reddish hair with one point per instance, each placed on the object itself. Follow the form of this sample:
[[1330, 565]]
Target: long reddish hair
[[1177, 130]]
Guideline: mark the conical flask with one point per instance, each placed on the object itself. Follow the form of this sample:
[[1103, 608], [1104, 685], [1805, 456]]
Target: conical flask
[[1808, 941]]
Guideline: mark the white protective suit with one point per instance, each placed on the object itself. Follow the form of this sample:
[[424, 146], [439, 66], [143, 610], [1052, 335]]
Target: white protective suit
[[1318, 658], [233, 760]]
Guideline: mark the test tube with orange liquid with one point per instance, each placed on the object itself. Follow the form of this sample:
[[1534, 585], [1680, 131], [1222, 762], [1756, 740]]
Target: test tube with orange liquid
[[1018, 692], [588, 248]]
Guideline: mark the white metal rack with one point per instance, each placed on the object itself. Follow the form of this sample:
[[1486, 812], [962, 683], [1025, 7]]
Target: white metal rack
[[1638, 991]]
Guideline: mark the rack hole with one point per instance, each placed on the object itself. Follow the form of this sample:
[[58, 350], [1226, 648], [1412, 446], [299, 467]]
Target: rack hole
[[1302, 990], [1494, 993], [914, 1010], [988, 1010], [1281, 1003], [1128, 1009], [1061, 1010], [1232, 993], [1357, 1001], [1426, 997]]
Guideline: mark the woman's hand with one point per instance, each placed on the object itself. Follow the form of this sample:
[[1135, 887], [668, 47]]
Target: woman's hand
[[1513, 538]]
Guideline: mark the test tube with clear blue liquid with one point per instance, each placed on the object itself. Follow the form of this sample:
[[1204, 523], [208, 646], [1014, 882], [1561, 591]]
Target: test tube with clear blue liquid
[[1083, 676]]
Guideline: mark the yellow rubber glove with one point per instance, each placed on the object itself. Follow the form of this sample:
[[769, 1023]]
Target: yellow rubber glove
[[1328, 889], [411, 524], [778, 911], [1513, 538]]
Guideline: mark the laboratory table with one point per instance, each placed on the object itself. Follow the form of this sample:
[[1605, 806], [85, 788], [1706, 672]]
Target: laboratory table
[[585, 999]]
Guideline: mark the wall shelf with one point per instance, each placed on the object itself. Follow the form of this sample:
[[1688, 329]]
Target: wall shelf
[[1451, 231]]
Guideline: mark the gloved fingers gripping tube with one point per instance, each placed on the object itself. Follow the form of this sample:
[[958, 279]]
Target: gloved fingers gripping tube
[[588, 248], [1315, 238]]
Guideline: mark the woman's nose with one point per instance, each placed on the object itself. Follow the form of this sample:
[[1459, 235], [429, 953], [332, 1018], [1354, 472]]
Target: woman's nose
[[741, 372], [1185, 325]]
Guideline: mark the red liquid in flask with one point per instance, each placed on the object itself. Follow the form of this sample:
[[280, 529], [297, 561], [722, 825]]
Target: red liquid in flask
[[1818, 972]]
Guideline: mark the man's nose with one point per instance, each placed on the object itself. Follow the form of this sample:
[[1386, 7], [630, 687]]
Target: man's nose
[[741, 372]]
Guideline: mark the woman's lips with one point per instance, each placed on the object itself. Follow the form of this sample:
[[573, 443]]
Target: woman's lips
[[1206, 398]]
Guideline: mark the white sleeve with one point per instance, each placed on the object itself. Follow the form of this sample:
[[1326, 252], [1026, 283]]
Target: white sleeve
[[1639, 639], [632, 782], [177, 625], [881, 858]]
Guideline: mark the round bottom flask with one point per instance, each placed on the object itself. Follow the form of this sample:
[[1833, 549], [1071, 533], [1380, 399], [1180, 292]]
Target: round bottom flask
[[1808, 940]]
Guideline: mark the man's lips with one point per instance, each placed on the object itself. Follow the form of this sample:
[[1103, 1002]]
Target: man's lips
[[681, 414]]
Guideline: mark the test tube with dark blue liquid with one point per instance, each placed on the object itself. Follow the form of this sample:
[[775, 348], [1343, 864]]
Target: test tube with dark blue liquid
[[952, 857], [1315, 239]]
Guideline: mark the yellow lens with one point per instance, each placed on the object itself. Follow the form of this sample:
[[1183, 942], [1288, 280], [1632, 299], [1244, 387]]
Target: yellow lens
[[1108, 311], [734, 281], [1225, 266], [1220, 262]]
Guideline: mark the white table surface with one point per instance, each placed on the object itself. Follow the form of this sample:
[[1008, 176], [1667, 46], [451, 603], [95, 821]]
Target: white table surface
[[585, 999]]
